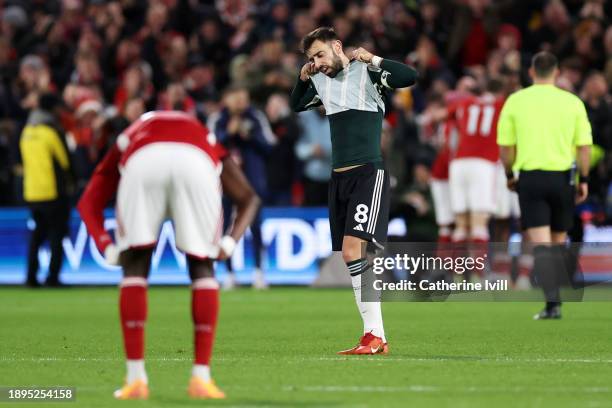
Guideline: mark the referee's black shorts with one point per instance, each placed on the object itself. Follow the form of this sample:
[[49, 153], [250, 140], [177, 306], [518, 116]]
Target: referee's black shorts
[[359, 204], [546, 199]]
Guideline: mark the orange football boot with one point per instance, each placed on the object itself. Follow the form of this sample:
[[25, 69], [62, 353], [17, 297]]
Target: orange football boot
[[368, 344], [136, 390], [200, 389]]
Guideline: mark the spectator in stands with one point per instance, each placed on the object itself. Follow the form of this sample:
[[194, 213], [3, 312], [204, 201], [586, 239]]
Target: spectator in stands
[[598, 104], [414, 203], [46, 179], [314, 150], [246, 133], [136, 83], [34, 79], [176, 98], [282, 164], [130, 52]]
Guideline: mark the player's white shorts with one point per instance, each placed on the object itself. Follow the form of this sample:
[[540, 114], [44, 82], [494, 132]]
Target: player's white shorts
[[472, 185], [440, 192], [507, 202], [174, 181]]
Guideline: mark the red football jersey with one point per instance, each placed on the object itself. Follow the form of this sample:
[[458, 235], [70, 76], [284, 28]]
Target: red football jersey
[[476, 119], [448, 133], [168, 126], [152, 127]]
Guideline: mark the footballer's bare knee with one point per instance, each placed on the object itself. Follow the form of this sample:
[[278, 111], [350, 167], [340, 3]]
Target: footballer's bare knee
[[200, 268], [352, 248], [136, 262]]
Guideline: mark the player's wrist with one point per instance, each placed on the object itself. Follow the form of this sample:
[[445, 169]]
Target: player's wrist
[[227, 245], [376, 61], [582, 179], [509, 175], [111, 254]]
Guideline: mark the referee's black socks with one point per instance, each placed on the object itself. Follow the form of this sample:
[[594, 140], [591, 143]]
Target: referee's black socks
[[556, 271], [546, 273]]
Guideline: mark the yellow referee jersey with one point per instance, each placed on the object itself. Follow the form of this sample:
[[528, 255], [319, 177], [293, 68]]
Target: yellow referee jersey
[[546, 124], [40, 147]]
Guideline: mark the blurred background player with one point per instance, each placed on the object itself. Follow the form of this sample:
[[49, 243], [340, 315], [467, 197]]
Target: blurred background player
[[440, 189], [46, 185], [473, 169], [246, 134], [167, 165], [351, 90]]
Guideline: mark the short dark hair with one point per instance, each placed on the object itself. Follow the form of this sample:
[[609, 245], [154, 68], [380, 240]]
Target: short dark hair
[[544, 63], [234, 87], [495, 85], [49, 101], [324, 34]]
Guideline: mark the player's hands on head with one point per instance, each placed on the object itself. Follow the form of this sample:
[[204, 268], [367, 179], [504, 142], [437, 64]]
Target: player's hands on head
[[582, 192], [111, 254], [362, 55], [308, 70]]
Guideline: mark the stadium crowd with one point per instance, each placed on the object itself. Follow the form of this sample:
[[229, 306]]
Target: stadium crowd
[[232, 63]]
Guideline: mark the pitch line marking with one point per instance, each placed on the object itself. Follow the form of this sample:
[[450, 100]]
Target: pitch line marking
[[428, 388], [378, 359]]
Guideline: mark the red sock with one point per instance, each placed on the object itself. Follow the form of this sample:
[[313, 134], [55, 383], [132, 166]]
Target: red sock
[[133, 312], [444, 235], [204, 311]]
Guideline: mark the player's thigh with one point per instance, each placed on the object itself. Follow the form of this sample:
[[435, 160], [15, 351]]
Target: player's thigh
[[368, 206], [457, 182], [195, 203], [142, 197], [480, 180], [440, 191], [535, 208]]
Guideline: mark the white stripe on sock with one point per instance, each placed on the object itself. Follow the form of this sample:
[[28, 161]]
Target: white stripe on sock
[[201, 371], [136, 371], [133, 281], [205, 283]]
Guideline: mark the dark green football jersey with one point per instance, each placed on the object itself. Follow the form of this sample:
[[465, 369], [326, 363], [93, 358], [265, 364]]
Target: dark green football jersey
[[354, 104]]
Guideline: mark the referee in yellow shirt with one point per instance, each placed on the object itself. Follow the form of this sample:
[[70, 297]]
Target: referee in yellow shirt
[[542, 131], [45, 185]]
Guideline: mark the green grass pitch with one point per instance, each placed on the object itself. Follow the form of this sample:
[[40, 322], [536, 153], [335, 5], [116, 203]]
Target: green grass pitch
[[277, 349]]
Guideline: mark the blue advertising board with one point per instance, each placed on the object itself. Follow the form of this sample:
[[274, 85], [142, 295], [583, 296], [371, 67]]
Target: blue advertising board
[[295, 240]]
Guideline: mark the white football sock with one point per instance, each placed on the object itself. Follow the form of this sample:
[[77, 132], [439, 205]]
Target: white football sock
[[201, 371], [136, 371], [371, 312]]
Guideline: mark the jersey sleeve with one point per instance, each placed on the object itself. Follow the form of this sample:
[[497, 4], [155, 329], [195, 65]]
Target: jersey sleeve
[[304, 96], [393, 74], [506, 131], [99, 191], [217, 149], [583, 135]]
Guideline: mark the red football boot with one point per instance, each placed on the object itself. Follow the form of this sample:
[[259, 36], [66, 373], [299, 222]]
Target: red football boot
[[369, 344]]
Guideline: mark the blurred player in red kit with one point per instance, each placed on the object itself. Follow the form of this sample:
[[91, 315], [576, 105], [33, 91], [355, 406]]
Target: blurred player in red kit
[[473, 168], [166, 165]]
